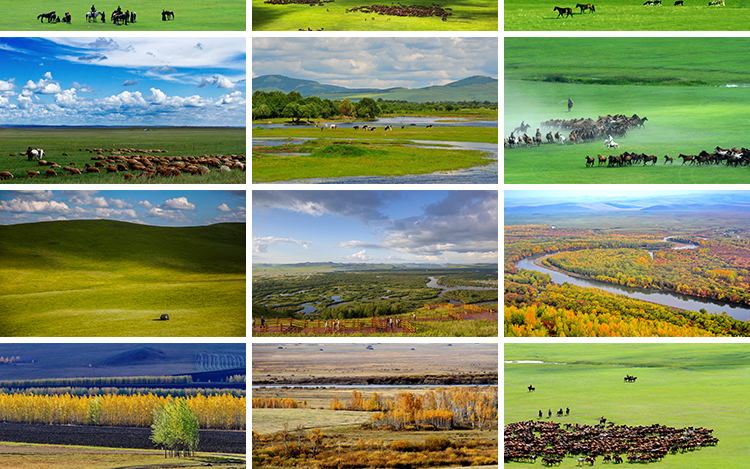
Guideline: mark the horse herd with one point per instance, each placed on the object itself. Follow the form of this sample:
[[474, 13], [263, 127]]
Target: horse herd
[[117, 17], [727, 156], [580, 130], [526, 441]]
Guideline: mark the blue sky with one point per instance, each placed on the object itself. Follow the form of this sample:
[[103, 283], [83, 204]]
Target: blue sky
[[123, 81], [371, 62], [162, 208], [375, 226]]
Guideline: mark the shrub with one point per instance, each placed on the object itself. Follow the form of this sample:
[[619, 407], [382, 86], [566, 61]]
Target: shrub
[[436, 444], [402, 446]]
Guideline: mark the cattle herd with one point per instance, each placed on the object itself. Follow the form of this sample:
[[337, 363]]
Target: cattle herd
[[526, 441], [405, 10], [579, 130], [150, 163]]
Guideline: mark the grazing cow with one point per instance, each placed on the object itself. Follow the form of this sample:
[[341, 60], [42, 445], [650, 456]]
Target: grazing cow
[[387, 127], [5, 175], [428, 126]]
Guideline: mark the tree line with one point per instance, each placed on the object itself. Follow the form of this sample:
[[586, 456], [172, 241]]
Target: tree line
[[218, 412], [277, 104]]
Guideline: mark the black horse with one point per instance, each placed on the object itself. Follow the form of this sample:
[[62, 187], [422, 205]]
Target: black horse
[[51, 17], [531, 388], [563, 11], [167, 14]]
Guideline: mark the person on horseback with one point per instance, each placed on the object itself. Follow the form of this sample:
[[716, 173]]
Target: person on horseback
[[570, 104], [119, 10], [93, 9]]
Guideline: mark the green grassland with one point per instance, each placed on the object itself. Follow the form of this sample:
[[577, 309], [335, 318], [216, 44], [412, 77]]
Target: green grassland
[[350, 156], [679, 385], [628, 15], [103, 278], [198, 15], [177, 141], [693, 91], [471, 15]]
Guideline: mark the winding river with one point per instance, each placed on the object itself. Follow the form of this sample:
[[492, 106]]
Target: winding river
[[675, 300], [433, 283]]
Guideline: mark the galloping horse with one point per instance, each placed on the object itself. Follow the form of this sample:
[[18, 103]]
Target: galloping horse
[[51, 17], [522, 129], [563, 11], [588, 6], [668, 159]]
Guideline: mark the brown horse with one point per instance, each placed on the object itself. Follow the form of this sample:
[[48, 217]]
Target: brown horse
[[648, 158], [668, 159], [563, 11], [589, 161], [588, 6]]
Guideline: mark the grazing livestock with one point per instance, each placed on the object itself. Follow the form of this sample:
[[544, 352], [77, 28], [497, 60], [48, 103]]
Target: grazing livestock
[[51, 17], [563, 11], [50, 173], [167, 15], [31, 174], [716, 3], [588, 6], [387, 128], [4, 175], [35, 153], [678, 2]]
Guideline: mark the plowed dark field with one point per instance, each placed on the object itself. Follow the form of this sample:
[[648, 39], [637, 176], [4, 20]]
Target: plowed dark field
[[212, 441]]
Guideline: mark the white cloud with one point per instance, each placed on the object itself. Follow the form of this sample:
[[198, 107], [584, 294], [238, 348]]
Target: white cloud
[[224, 208], [180, 203]]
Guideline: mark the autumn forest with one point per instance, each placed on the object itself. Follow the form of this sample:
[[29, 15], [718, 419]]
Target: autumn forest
[[703, 257]]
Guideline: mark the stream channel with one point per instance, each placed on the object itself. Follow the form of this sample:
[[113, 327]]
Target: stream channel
[[674, 300], [487, 174]]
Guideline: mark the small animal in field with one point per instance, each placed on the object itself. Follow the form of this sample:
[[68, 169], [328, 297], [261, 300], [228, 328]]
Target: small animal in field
[[588, 6], [563, 11], [679, 2]]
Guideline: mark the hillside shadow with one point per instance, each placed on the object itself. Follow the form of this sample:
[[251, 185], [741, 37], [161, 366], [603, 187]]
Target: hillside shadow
[[263, 16]]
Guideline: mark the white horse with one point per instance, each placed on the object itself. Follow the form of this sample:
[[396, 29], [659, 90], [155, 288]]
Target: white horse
[[91, 15], [562, 139], [37, 153], [610, 143]]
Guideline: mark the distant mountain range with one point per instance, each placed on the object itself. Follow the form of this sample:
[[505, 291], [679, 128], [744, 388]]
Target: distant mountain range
[[476, 88], [724, 204]]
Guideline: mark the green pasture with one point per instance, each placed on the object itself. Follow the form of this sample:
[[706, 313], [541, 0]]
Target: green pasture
[[694, 92], [98, 278], [76, 141], [470, 15], [627, 15], [678, 385], [196, 15], [384, 154]]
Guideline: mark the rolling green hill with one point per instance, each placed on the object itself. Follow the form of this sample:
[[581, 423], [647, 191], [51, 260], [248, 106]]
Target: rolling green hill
[[476, 88], [109, 278]]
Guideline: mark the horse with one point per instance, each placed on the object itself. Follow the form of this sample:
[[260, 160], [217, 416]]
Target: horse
[[588, 6], [532, 388], [563, 11], [589, 161], [686, 158], [66, 18], [37, 153], [119, 17], [648, 158], [679, 2], [167, 14], [522, 128], [602, 159], [668, 159], [91, 15], [550, 138], [51, 17]]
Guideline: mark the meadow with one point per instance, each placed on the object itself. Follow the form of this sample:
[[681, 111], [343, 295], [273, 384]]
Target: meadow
[[75, 141], [627, 15], [198, 15], [678, 385], [472, 15], [96, 278], [350, 155], [694, 93]]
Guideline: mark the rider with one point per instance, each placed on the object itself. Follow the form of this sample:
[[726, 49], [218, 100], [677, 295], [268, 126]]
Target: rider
[[93, 9], [119, 10]]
